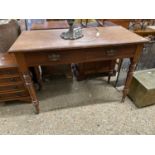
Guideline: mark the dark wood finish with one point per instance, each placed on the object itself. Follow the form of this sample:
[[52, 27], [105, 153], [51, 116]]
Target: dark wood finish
[[11, 84], [47, 48], [38, 76]]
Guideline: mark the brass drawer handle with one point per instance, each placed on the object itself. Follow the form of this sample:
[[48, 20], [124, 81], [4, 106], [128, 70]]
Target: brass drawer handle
[[54, 57], [110, 52]]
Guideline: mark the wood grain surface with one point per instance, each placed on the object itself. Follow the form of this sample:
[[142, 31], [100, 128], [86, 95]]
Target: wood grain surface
[[30, 41]]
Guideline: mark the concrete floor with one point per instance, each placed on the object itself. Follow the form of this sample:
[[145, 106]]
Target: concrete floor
[[70, 107]]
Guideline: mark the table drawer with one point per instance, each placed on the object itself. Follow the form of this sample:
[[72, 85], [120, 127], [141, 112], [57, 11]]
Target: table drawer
[[110, 53], [79, 55]]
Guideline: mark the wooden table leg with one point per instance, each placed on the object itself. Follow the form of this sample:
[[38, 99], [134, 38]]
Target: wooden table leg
[[23, 68], [129, 78], [131, 70]]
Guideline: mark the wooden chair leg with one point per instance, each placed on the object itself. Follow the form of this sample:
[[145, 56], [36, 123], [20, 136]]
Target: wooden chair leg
[[38, 76], [119, 68], [112, 66], [79, 72], [109, 77], [82, 24], [69, 74]]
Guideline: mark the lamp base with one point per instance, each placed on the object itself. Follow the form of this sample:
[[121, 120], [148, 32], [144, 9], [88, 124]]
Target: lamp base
[[72, 35]]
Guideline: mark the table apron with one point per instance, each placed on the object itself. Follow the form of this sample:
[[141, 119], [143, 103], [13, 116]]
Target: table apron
[[55, 57]]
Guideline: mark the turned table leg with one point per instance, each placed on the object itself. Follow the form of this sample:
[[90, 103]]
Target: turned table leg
[[131, 70], [30, 87], [23, 68]]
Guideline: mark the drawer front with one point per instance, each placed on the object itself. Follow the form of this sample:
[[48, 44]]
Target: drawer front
[[11, 88], [10, 80], [8, 71], [13, 95], [111, 53], [79, 55]]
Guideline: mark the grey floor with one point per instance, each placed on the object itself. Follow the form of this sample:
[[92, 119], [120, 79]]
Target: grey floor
[[70, 107]]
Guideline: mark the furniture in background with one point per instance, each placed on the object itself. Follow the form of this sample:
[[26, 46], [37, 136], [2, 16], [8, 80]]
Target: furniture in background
[[141, 24], [60, 24], [122, 22], [12, 86], [49, 48], [8, 34], [147, 58], [148, 32]]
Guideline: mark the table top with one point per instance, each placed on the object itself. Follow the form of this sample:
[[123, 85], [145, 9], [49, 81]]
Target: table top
[[40, 40], [50, 25]]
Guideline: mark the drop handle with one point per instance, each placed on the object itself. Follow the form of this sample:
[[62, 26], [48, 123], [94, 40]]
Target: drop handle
[[110, 52], [54, 57]]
